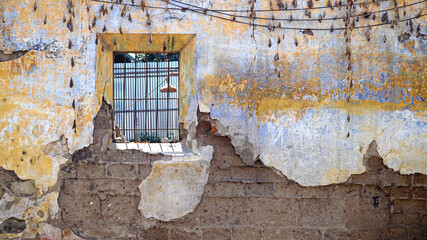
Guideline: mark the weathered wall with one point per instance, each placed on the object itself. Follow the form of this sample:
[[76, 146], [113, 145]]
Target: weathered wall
[[99, 198], [306, 105]]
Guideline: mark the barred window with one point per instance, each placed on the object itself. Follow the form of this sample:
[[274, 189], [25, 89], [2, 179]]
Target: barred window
[[146, 97]]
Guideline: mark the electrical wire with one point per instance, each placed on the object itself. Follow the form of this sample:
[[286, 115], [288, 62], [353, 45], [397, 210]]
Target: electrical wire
[[299, 28], [180, 8], [299, 19], [236, 10]]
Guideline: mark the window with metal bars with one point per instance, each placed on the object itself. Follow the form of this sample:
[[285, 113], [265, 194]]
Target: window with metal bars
[[146, 96]]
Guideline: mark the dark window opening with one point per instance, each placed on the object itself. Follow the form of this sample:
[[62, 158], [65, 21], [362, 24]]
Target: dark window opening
[[146, 96]]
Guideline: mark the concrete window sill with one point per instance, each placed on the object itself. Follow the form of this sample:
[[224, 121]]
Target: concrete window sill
[[173, 149]]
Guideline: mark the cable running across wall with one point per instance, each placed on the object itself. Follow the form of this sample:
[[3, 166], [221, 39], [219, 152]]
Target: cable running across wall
[[236, 10], [181, 8], [298, 19], [301, 28]]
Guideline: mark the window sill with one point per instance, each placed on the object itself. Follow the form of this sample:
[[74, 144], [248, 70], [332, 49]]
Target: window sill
[[173, 149]]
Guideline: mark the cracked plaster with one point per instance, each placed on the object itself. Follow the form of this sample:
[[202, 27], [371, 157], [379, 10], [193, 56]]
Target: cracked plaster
[[306, 139]]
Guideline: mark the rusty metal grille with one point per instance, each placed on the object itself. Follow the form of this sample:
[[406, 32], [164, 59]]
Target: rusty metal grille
[[146, 96]]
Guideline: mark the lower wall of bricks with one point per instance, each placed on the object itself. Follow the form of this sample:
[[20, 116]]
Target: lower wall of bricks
[[99, 199]]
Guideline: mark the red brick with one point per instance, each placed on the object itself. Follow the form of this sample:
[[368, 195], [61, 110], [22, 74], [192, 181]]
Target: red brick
[[245, 233], [76, 186], [424, 220], [287, 190], [307, 234], [321, 212], [361, 214], [314, 192], [333, 191], [266, 211], [345, 191], [69, 172], [225, 162], [225, 189], [270, 175], [363, 234], [419, 192], [219, 175], [223, 211], [121, 171], [115, 186], [371, 191], [369, 177], [420, 179], [337, 234], [419, 206], [216, 234], [389, 177], [153, 233], [398, 192], [259, 189], [115, 209], [130, 156], [189, 222], [277, 234], [244, 174], [90, 170], [415, 233], [374, 164], [394, 233], [180, 234], [86, 207], [405, 218]]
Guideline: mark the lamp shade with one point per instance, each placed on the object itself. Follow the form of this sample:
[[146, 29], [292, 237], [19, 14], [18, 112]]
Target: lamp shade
[[168, 88]]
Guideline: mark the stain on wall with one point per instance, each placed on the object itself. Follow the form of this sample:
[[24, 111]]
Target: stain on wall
[[99, 198], [305, 104]]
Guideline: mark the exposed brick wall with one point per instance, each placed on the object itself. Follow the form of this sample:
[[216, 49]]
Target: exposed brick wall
[[99, 199]]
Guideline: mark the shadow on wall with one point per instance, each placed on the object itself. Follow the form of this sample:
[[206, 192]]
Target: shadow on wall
[[11, 56]]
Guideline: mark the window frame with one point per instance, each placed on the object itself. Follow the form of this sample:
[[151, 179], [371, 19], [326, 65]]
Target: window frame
[[168, 111], [182, 43]]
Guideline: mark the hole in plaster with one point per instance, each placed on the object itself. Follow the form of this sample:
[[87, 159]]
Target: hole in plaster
[[4, 57], [40, 213], [375, 201], [204, 128], [12, 225]]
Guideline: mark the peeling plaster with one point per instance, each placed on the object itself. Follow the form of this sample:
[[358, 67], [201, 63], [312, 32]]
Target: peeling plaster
[[174, 188], [296, 123], [29, 210]]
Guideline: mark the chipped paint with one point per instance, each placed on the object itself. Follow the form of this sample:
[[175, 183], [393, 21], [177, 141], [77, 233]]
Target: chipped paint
[[304, 113]]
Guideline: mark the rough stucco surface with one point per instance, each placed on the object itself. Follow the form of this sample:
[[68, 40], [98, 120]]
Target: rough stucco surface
[[311, 151], [237, 80], [174, 188], [99, 198], [311, 112]]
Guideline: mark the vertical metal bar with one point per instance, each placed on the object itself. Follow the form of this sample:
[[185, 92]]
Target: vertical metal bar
[[134, 106], [178, 94], [114, 113], [124, 97], [167, 103], [157, 98], [146, 98]]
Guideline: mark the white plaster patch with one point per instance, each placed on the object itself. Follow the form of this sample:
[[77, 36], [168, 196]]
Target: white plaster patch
[[174, 188], [403, 142], [323, 147]]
